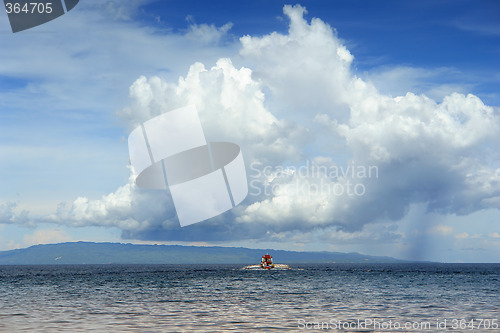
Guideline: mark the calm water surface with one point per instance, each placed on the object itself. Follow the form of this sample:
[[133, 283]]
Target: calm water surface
[[208, 298]]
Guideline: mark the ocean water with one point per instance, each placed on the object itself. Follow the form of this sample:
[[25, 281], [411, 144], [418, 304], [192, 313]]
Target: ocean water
[[211, 298]]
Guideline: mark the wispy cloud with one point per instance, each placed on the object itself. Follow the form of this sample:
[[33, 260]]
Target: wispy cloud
[[488, 29], [207, 33]]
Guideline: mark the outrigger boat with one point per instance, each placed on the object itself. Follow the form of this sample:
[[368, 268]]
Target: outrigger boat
[[267, 263]]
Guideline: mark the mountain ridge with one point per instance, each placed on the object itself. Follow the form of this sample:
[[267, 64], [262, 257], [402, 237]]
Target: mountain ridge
[[127, 253]]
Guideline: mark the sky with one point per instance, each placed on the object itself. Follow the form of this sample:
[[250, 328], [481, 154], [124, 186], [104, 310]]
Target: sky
[[365, 126]]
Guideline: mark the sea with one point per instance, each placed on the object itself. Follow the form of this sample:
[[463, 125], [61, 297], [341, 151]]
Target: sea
[[422, 297]]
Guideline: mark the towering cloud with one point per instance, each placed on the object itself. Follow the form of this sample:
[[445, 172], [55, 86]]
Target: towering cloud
[[324, 149]]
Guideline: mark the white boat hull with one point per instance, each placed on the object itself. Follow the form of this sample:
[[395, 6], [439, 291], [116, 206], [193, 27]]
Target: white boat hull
[[275, 266]]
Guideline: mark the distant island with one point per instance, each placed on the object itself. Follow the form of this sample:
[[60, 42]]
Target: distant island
[[118, 253]]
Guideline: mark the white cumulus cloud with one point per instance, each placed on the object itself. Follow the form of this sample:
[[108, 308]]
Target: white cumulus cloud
[[296, 103]]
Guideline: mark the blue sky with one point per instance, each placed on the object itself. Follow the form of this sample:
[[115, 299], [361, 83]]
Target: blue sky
[[409, 87]]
